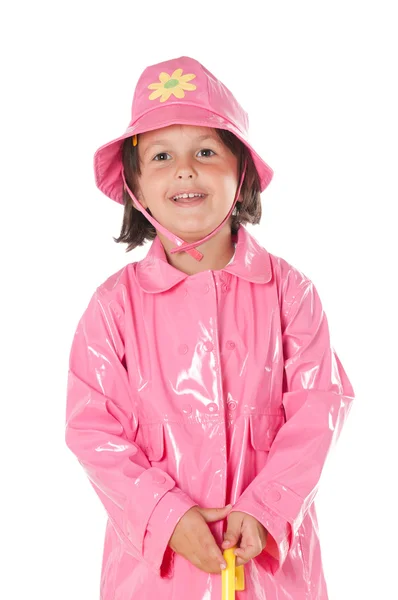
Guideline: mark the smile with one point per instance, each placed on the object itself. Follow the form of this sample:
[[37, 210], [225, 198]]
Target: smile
[[188, 201]]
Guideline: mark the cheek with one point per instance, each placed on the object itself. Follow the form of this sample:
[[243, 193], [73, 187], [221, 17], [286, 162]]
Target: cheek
[[229, 186], [230, 176], [153, 187]]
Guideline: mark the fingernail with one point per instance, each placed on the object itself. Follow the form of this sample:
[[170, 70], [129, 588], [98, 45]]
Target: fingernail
[[223, 566], [227, 543], [229, 506]]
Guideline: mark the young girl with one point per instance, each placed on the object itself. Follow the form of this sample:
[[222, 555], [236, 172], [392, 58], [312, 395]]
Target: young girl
[[204, 395]]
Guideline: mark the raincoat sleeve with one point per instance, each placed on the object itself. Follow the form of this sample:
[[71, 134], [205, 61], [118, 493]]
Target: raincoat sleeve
[[142, 502], [317, 397]]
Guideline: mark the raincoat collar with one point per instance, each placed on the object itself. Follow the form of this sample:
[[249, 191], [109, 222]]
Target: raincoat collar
[[251, 262]]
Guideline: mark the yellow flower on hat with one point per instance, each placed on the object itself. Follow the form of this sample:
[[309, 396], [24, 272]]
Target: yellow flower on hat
[[175, 84]]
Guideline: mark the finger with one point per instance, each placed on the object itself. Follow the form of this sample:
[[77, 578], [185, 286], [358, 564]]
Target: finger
[[231, 538], [210, 551], [244, 554], [233, 532], [240, 561], [214, 514], [232, 535]]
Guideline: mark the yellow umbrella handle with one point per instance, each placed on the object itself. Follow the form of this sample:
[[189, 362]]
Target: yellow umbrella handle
[[232, 578]]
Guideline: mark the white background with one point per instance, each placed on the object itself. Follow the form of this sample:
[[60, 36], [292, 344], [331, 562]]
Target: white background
[[318, 80]]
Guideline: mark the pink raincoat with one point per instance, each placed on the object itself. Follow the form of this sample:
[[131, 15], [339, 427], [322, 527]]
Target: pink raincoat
[[207, 389]]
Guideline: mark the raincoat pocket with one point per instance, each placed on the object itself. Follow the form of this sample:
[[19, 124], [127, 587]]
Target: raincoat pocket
[[263, 429], [151, 439]]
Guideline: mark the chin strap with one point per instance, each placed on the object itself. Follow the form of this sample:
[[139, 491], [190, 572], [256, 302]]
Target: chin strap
[[181, 245]]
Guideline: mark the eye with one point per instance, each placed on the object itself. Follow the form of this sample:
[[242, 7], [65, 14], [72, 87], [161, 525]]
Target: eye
[[164, 154], [160, 154], [206, 150]]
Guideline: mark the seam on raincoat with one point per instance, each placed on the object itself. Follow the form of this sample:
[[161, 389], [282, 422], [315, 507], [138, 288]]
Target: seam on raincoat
[[208, 419]]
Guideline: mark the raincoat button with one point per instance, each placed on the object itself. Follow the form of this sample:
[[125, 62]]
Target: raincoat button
[[231, 404], [183, 349], [274, 495], [231, 344], [206, 288], [208, 346], [211, 408], [158, 478], [187, 408], [225, 288]]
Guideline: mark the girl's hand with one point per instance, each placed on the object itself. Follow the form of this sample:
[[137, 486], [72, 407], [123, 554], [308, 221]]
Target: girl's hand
[[193, 539], [251, 534]]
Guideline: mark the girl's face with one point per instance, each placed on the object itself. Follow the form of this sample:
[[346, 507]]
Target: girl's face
[[181, 158]]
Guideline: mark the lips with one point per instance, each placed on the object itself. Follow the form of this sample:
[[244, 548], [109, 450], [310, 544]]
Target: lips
[[188, 202], [202, 197]]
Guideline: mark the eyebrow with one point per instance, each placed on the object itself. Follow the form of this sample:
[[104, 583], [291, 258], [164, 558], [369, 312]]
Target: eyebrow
[[159, 142]]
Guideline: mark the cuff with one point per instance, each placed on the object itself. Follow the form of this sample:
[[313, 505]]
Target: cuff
[[150, 487], [160, 527]]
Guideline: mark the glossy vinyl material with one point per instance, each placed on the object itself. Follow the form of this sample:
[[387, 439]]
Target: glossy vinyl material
[[207, 389]]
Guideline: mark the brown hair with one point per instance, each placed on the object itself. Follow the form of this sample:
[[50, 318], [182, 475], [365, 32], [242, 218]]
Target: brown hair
[[136, 228]]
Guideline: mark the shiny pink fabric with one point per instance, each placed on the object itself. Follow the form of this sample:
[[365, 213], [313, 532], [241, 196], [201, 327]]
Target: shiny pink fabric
[[207, 389]]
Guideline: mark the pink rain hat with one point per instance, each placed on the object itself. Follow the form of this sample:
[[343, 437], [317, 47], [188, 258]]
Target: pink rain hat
[[164, 96], [178, 91]]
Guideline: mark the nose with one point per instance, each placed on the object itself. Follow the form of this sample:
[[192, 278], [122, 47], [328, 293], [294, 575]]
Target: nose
[[185, 170]]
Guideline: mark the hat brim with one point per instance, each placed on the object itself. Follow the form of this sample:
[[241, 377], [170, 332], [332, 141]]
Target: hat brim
[[108, 158]]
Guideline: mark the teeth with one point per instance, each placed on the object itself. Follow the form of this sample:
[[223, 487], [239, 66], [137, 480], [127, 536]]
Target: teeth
[[188, 196]]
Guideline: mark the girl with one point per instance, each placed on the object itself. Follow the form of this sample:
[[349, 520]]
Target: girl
[[204, 395]]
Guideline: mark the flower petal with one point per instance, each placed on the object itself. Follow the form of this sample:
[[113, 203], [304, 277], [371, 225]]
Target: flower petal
[[178, 92], [155, 86], [187, 77], [166, 95], [187, 86], [177, 74], [156, 94], [163, 77]]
